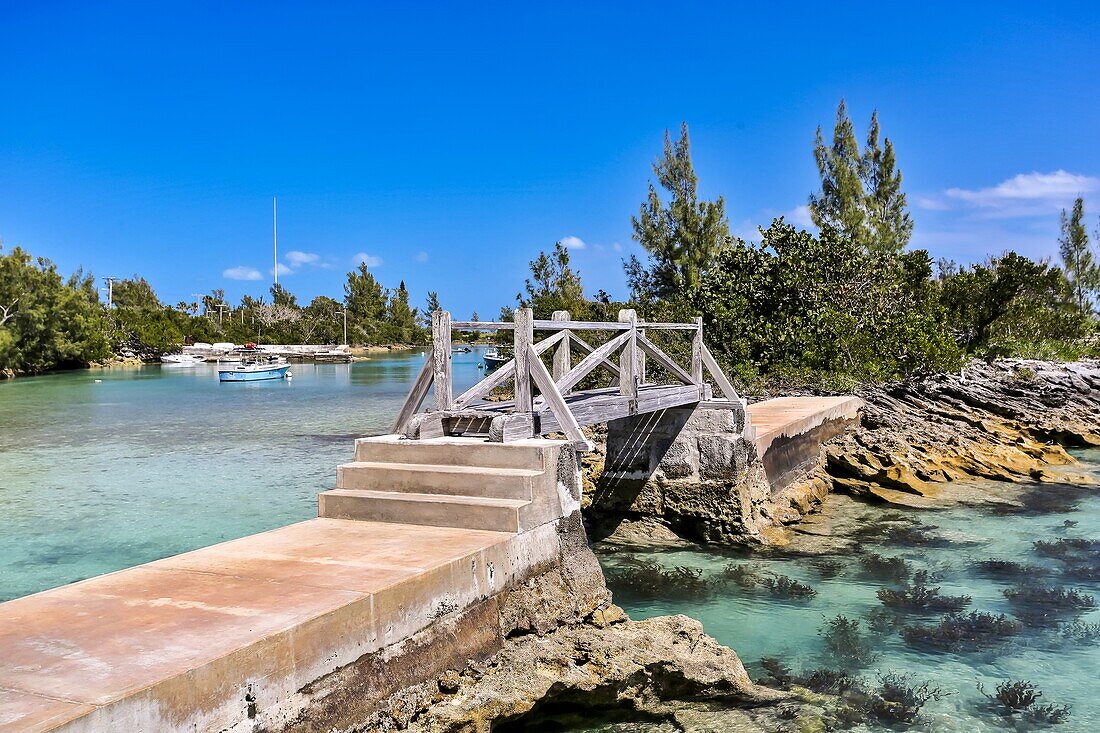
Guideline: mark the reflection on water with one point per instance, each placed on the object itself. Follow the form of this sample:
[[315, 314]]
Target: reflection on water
[[152, 461], [1037, 565]]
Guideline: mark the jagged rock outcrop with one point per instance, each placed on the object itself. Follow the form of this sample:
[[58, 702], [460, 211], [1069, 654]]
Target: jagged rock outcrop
[[652, 668], [1004, 421]]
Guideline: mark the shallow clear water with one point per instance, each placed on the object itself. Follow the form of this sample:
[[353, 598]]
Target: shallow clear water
[[148, 462], [758, 625]]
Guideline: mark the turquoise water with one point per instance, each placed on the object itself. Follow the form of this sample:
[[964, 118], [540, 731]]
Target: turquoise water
[[148, 462], [757, 625]]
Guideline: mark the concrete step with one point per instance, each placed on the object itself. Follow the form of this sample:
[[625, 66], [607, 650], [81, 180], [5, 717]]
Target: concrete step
[[436, 510], [476, 481], [451, 451]]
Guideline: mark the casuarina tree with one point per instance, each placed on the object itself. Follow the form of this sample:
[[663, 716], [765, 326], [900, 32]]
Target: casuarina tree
[[1081, 267], [860, 197], [684, 236]]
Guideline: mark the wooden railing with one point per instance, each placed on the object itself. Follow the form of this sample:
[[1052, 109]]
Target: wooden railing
[[528, 372]]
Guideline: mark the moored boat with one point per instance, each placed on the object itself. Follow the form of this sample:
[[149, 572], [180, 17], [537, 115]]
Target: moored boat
[[182, 359], [495, 358], [254, 370]]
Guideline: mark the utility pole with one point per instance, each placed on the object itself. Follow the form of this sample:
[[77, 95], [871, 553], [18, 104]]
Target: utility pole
[[345, 312], [110, 291], [275, 236], [220, 306]]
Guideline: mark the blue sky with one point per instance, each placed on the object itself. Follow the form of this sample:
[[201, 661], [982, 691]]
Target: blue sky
[[449, 143]]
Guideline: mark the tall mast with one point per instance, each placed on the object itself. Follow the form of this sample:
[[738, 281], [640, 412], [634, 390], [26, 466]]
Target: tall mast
[[275, 235]]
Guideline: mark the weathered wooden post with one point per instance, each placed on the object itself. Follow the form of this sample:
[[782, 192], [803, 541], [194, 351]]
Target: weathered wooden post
[[696, 351], [697, 355], [641, 359], [628, 361], [524, 337], [562, 355], [441, 359]]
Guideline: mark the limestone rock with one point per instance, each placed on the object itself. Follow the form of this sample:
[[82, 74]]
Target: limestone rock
[[652, 667], [1008, 421]]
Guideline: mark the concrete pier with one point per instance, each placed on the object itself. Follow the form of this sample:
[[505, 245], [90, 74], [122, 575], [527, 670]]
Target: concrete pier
[[788, 431], [249, 634]]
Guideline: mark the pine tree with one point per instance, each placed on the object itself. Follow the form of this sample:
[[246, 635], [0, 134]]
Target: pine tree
[[682, 239], [554, 284], [400, 318], [860, 197], [889, 225], [365, 301], [425, 316], [1082, 269], [840, 203]]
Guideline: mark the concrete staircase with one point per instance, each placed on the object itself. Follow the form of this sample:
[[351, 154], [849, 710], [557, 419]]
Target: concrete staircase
[[446, 482]]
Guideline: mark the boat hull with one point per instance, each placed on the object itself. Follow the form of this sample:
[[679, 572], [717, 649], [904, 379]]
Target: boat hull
[[254, 375]]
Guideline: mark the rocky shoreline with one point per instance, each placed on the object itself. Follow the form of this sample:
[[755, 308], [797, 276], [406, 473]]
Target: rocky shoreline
[[921, 441]]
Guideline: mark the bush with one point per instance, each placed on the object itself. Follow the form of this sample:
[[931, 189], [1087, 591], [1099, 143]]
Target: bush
[[821, 310]]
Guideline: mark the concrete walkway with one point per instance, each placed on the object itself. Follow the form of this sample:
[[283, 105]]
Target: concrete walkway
[[789, 431], [168, 632], [791, 416]]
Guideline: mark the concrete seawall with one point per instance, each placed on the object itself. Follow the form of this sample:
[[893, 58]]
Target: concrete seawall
[[304, 627]]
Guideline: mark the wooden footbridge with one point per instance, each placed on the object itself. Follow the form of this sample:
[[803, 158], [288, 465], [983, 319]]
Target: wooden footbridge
[[545, 399]]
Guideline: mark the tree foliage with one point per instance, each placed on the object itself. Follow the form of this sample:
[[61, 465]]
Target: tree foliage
[[48, 322], [860, 197], [365, 299], [1014, 306], [1081, 266], [682, 237], [553, 285], [822, 310]]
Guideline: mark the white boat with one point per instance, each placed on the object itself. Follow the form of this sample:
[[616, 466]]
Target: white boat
[[495, 358], [182, 359], [254, 370]]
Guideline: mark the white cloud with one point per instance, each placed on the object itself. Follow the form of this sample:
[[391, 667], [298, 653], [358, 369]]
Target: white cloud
[[799, 216], [283, 270], [616, 246], [1025, 194], [421, 256], [242, 273], [362, 258], [296, 258], [931, 203], [572, 242]]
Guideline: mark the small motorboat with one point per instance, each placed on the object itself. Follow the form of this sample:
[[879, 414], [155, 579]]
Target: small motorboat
[[461, 349], [183, 359], [254, 369], [495, 358]]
